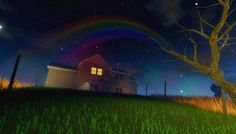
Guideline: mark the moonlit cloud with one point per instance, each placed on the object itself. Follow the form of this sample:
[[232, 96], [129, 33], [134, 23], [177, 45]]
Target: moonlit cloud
[[168, 10], [5, 7], [5, 34]]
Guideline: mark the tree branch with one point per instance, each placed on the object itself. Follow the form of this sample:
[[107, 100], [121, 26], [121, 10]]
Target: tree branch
[[206, 22], [224, 2], [190, 38], [230, 38], [195, 58], [212, 5], [223, 19], [230, 44], [230, 28], [200, 20], [225, 42], [231, 11], [197, 65], [202, 34]]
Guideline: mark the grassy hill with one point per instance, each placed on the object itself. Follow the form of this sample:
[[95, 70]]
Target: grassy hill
[[66, 111]]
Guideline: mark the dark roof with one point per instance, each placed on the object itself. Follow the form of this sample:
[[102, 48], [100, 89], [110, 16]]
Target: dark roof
[[132, 78], [63, 66], [97, 56], [120, 70]]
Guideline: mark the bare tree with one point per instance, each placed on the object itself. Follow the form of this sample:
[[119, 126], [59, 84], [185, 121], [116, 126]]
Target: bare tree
[[217, 39]]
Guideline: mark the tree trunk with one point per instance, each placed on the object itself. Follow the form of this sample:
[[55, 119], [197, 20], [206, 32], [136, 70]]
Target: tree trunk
[[224, 101], [225, 85], [231, 94]]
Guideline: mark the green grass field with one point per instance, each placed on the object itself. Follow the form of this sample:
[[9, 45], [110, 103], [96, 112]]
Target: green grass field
[[68, 112]]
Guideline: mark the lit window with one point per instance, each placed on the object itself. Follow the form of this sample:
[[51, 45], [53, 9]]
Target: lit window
[[94, 70], [99, 71]]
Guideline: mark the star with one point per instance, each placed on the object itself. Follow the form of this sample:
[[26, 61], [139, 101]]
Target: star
[[1, 26], [181, 75], [196, 3], [62, 49]]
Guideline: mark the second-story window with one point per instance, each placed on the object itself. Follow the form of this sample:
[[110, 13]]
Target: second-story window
[[99, 71], [96, 71], [119, 76]]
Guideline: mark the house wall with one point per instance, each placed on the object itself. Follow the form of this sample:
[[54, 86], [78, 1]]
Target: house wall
[[103, 82], [60, 78], [127, 85]]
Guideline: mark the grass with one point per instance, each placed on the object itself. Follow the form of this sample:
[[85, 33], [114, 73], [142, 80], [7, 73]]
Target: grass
[[208, 103], [61, 112], [4, 84]]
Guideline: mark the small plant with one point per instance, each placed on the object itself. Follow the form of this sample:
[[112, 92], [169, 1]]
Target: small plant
[[208, 103]]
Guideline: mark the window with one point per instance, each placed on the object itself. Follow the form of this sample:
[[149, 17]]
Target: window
[[96, 71], [99, 71], [119, 76]]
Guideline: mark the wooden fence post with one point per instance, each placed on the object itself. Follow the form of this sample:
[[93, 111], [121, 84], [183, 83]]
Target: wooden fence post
[[165, 86], [147, 90], [10, 86]]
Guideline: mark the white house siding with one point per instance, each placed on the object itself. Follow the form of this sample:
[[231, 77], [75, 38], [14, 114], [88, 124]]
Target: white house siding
[[61, 78]]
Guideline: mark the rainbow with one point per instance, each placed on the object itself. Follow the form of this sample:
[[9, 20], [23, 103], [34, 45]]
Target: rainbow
[[84, 34]]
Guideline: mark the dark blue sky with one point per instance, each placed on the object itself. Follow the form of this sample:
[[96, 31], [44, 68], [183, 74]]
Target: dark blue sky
[[25, 22]]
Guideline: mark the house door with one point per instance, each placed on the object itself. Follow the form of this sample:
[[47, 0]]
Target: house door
[[93, 87], [119, 90]]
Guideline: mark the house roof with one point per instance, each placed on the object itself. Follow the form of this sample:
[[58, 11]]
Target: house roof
[[96, 56], [120, 70], [72, 68], [62, 67]]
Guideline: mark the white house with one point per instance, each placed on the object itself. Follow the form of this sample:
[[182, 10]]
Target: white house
[[93, 73]]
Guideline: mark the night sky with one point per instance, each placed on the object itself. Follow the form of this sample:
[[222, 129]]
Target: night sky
[[29, 26]]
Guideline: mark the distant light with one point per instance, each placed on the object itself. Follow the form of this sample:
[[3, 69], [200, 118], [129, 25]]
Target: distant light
[[181, 91], [181, 75], [62, 49], [196, 3], [1, 27]]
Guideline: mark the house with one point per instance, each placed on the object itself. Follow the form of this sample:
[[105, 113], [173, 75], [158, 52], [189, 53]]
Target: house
[[91, 74]]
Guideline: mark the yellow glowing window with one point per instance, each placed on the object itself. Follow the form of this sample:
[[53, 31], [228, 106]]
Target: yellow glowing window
[[99, 71], [93, 70]]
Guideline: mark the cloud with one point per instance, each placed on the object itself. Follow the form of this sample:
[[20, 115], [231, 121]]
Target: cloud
[[5, 7], [5, 34], [168, 10]]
